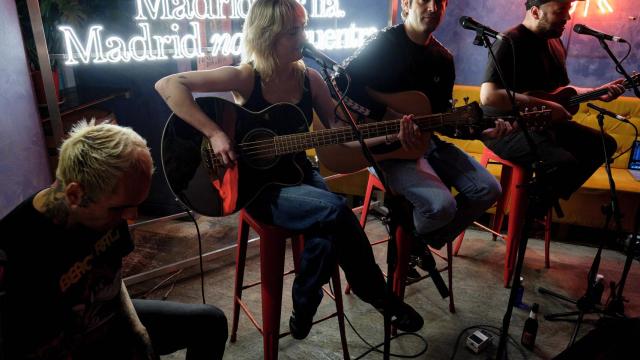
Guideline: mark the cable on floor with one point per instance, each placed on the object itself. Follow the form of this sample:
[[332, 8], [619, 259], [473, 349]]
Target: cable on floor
[[374, 348], [494, 330]]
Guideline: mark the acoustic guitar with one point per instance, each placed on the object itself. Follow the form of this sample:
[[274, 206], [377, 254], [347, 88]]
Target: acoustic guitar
[[568, 97], [348, 157], [270, 146]]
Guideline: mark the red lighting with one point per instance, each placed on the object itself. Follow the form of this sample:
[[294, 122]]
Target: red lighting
[[604, 7]]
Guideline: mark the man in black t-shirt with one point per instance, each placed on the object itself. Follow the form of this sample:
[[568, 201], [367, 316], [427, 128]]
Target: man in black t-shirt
[[570, 152], [65, 298], [407, 57]]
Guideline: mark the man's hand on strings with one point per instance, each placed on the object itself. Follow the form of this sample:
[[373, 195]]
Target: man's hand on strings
[[614, 90], [410, 135], [502, 128]]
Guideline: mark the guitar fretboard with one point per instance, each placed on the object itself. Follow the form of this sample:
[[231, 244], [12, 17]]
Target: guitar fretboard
[[285, 144]]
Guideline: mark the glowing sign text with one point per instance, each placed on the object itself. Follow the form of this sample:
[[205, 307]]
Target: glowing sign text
[[188, 42]]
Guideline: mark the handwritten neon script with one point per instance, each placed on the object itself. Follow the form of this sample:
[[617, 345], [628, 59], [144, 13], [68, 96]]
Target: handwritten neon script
[[603, 5]]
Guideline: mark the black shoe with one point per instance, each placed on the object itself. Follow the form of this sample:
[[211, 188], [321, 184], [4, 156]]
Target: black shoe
[[425, 261], [403, 316], [300, 326], [412, 274]]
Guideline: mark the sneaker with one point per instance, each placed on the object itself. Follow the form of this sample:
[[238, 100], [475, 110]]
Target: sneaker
[[403, 316], [300, 326]]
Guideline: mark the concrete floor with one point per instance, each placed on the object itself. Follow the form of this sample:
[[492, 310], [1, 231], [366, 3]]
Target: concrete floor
[[480, 297]]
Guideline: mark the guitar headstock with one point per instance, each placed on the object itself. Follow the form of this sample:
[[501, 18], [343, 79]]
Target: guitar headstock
[[536, 118], [468, 114]]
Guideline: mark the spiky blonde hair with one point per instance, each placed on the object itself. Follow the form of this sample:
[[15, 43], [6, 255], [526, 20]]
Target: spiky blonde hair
[[96, 156]]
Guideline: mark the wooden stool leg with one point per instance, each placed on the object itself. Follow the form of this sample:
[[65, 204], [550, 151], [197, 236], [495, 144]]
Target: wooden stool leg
[[241, 255], [272, 253]]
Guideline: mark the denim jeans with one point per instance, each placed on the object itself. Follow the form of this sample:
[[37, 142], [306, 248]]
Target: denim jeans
[[570, 153], [437, 215], [331, 233]]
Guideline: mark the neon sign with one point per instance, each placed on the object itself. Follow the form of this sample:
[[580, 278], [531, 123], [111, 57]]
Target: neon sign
[[603, 6], [185, 40]]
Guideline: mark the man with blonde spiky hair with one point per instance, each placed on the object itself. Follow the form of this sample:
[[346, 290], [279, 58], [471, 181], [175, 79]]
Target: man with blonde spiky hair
[[64, 246]]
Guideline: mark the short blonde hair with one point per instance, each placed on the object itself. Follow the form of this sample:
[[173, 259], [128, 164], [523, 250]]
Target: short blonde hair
[[266, 20], [96, 156]]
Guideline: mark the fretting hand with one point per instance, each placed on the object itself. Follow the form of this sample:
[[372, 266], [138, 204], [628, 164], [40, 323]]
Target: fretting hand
[[502, 128], [614, 90], [410, 136]]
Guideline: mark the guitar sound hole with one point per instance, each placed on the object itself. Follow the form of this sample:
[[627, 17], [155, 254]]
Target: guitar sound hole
[[258, 149]]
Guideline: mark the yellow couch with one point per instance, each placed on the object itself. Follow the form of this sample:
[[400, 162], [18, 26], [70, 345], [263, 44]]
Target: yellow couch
[[583, 208]]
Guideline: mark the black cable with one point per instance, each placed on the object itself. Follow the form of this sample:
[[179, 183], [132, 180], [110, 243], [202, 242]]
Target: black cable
[[631, 146], [624, 58], [374, 348], [189, 212]]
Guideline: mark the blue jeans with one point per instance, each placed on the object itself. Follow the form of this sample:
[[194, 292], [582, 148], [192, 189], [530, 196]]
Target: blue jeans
[[437, 214], [331, 233]]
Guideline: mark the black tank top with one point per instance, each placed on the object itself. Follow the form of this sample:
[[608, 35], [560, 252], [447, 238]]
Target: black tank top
[[257, 102]]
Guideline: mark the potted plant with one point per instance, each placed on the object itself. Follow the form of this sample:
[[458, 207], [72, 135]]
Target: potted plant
[[54, 13]]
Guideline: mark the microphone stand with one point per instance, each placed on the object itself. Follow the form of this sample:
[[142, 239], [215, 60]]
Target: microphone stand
[[482, 39], [619, 67], [587, 303], [391, 250]]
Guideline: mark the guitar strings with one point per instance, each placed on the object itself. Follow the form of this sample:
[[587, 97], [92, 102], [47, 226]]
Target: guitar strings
[[283, 144]]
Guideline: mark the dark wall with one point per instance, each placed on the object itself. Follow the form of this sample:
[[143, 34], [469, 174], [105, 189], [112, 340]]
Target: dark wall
[[24, 167], [144, 111]]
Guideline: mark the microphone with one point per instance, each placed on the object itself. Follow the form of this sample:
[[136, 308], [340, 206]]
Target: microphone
[[310, 51], [585, 30], [468, 23], [608, 113]]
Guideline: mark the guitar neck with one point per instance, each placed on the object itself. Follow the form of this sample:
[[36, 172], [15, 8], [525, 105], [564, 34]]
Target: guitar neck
[[591, 95], [292, 143]]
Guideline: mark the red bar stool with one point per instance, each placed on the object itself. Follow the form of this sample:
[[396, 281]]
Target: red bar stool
[[272, 253], [511, 177], [403, 246]]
